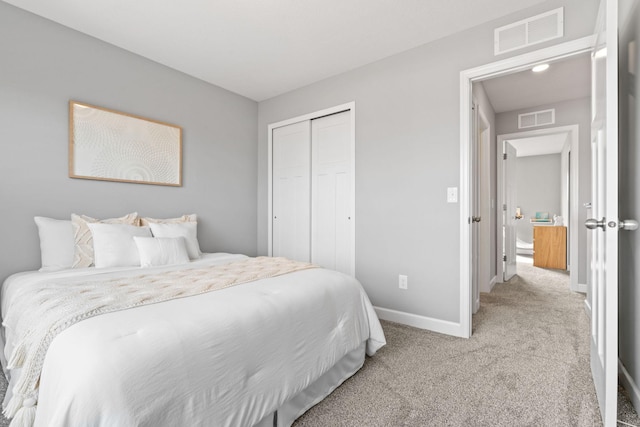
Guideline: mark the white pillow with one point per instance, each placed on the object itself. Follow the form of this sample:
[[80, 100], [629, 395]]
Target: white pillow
[[56, 243], [184, 218], [113, 244], [188, 230], [83, 251], [157, 251]]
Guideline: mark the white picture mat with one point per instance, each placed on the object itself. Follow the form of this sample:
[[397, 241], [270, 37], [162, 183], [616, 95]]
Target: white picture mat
[[107, 145]]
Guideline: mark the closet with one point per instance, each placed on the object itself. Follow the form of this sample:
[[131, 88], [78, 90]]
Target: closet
[[312, 190]]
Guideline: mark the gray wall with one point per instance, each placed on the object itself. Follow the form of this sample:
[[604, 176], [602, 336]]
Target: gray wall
[[577, 111], [539, 184], [43, 66], [407, 154], [629, 197]]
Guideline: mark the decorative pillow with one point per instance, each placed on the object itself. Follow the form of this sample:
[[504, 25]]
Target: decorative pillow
[[114, 246], [188, 230], [56, 243], [144, 221], [157, 251], [83, 251]]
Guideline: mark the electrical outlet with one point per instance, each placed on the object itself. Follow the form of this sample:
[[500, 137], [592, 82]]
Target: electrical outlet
[[402, 281]]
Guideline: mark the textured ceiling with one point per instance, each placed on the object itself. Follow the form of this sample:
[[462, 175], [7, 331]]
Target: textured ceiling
[[263, 48], [564, 80], [539, 145]]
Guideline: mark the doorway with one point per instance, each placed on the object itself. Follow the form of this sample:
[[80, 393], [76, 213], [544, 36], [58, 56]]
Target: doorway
[[564, 142], [467, 179]]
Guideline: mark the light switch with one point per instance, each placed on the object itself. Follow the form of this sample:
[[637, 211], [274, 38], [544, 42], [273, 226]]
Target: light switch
[[452, 195]]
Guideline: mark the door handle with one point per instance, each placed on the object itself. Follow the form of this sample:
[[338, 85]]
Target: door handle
[[626, 224], [476, 218], [593, 223]]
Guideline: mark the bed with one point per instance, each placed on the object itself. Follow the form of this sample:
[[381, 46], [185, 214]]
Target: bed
[[253, 353]]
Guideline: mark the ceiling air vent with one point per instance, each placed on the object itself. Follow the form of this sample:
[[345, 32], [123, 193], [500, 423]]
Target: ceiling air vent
[[536, 118], [530, 31]]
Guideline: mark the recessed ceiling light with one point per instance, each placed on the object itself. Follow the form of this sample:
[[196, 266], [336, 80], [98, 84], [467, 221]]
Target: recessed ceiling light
[[540, 68]]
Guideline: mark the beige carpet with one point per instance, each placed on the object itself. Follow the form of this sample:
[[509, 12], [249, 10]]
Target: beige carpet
[[527, 364]]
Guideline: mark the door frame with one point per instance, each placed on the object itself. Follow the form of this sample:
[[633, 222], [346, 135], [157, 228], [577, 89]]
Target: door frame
[[467, 77], [349, 106], [574, 178]]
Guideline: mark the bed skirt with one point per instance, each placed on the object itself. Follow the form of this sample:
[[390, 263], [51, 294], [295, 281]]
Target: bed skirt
[[316, 391]]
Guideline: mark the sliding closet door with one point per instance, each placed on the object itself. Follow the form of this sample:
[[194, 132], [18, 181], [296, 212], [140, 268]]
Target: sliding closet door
[[331, 192], [291, 191]]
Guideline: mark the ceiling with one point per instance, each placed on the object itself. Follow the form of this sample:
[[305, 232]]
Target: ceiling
[[263, 48], [564, 80], [539, 145]]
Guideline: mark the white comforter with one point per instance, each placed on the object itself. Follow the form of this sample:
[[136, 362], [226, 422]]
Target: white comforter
[[224, 358]]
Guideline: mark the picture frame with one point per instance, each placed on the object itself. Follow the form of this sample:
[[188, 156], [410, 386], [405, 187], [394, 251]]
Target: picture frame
[[109, 145]]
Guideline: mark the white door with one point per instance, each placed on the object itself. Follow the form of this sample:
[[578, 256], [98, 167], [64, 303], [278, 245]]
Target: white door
[[604, 225], [291, 191], [332, 192], [509, 211], [476, 217]]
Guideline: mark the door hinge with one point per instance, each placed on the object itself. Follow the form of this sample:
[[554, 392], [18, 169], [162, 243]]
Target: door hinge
[[504, 258], [504, 156], [504, 207]]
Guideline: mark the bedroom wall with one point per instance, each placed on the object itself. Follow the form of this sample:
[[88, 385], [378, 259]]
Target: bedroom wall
[[572, 112], [407, 154], [539, 184], [43, 66]]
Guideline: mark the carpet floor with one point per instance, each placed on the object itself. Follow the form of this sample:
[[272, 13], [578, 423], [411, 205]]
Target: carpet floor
[[527, 364]]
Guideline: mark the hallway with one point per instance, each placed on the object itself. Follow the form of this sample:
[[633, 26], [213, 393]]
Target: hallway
[[543, 278]]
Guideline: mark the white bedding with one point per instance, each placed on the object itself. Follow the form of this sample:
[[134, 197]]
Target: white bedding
[[224, 358]]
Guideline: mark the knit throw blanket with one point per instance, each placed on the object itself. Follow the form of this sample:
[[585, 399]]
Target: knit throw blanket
[[51, 309]]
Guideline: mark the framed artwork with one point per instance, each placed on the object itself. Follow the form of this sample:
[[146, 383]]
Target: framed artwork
[[109, 145]]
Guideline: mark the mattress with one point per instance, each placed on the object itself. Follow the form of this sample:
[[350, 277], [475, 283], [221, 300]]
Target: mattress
[[231, 357]]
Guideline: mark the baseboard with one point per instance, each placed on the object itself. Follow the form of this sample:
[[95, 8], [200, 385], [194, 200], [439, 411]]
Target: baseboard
[[587, 307], [493, 282], [629, 384], [582, 288], [421, 322]]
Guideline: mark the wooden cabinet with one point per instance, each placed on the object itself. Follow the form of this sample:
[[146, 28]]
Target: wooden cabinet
[[550, 247]]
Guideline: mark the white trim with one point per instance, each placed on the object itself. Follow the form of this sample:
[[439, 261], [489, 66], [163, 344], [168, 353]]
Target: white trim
[[417, 321], [310, 116], [493, 282], [500, 151], [574, 203], [630, 385], [505, 66], [582, 288], [587, 307], [484, 227], [466, 282]]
